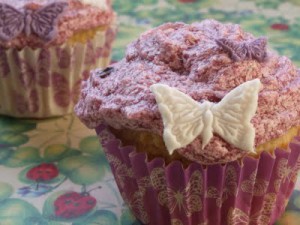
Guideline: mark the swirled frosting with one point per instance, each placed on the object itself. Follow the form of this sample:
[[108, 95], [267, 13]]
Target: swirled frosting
[[189, 58]]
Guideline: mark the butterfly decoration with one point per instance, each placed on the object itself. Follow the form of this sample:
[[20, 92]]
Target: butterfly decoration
[[230, 187], [284, 173], [185, 119], [137, 205], [41, 22], [158, 179], [187, 200], [238, 217], [239, 51], [123, 172], [283, 170], [294, 173], [262, 217], [134, 200], [254, 185], [176, 222]]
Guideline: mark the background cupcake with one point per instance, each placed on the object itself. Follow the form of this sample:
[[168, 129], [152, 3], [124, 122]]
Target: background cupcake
[[46, 48], [223, 182]]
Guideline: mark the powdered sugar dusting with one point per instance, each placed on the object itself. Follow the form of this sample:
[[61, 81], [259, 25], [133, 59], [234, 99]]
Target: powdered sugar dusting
[[187, 57]]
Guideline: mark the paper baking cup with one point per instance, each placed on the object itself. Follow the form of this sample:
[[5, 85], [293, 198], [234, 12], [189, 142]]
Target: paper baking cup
[[253, 192], [46, 82]]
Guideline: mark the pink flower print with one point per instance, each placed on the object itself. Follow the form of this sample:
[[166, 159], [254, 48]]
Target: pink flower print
[[64, 58], [33, 103], [76, 91], [64, 95], [43, 68], [98, 52], [27, 74], [4, 66], [109, 37], [90, 54], [30, 75], [20, 102], [26, 104]]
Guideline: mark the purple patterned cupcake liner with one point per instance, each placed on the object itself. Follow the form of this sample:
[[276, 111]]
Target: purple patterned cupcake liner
[[250, 192], [45, 82]]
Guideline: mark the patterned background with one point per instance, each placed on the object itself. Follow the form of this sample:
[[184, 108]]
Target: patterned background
[[44, 163]]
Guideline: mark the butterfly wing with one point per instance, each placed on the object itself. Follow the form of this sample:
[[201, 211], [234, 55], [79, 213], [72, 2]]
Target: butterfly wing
[[232, 116], [269, 203], [182, 116], [192, 194], [231, 180], [11, 22], [136, 204], [237, 217], [168, 198], [45, 19], [236, 51], [257, 49], [158, 179]]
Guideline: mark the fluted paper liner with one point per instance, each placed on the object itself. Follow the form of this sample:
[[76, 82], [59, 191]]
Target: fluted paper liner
[[45, 82], [252, 192]]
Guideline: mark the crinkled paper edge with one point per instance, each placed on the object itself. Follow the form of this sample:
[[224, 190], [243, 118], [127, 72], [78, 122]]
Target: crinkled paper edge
[[254, 192]]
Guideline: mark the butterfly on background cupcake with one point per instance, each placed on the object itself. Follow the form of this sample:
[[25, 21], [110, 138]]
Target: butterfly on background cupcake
[[34, 19]]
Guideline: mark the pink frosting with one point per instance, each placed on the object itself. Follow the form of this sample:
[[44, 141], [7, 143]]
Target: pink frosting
[[187, 57], [77, 17]]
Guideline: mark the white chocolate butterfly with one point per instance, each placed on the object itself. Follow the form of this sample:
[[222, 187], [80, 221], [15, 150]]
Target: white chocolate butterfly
[[185, 119]]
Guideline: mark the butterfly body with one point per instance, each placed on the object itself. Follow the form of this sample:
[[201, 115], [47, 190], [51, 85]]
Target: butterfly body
[[208, 119], [28, 21], [41, 22]]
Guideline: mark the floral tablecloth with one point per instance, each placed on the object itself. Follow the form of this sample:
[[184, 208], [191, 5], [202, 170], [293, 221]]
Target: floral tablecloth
[[47, 164]]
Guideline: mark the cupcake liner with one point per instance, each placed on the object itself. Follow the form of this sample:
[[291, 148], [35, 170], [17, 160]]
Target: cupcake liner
[[45, 82], [251, 192]]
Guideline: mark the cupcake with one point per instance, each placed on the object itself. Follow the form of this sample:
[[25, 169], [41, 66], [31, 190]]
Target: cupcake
[[46, 48], [200, 125]]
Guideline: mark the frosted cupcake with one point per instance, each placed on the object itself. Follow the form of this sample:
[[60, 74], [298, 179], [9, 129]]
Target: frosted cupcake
[[200, 124], [46, 48]]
